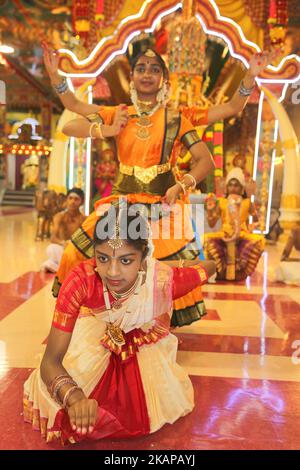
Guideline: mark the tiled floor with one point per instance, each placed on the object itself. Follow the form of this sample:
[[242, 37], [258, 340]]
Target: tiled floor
[[246, 381]]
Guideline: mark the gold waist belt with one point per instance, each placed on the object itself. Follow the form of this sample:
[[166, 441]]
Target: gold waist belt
[[146, 175]]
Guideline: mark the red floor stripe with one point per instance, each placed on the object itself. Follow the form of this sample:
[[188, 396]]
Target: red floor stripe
[[15, 293], [4, 212]]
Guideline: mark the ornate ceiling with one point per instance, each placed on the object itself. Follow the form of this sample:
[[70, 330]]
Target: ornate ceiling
[[24, 24]]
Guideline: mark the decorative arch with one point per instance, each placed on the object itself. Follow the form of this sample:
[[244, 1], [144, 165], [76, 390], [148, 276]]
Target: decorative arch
[[151, 10]]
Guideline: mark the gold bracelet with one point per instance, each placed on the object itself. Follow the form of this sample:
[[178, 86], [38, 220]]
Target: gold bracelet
[[99, 126], [55, 381], [58, 386], [181, 263], [94, 124], [194, 182], [68, 393]]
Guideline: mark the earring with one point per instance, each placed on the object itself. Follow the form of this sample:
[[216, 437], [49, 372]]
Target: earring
[[163, 94], [159, 96], [143, 268], [133, 93]]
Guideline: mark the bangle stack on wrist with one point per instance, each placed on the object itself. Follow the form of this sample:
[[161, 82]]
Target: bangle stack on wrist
[[243, 91], [184, 186], [62, 87], [194, 182], [68, 393], [56, 385]]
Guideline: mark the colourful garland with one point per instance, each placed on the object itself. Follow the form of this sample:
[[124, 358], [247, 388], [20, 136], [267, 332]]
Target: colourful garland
[[278, 19]]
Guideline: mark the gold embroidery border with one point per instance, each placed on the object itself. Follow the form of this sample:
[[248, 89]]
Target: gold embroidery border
[[145, 175], [83, 242]]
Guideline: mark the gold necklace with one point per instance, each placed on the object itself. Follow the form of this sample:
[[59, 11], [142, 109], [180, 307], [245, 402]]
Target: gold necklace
[[145, 107], [118, 302], [145, 103], [144, 121], [113, 330]]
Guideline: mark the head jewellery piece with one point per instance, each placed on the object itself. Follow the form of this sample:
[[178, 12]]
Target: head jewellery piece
[[150, 53], [116, 242]]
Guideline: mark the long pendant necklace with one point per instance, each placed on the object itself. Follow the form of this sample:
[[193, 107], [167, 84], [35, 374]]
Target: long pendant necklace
[[113, 329], [144, 122], [116, 334]]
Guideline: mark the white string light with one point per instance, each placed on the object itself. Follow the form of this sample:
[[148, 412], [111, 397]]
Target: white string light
[[258, 126], [88, 162], [71, 163]]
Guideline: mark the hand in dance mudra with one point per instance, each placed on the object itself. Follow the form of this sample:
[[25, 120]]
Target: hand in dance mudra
[[258, 62], [51, 60], [120, 119]]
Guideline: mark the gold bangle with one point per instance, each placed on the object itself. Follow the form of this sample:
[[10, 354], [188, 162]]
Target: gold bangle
[[57, 379], [68, 393], [99, 126], [58, 386], [194, 182], [94, 124]]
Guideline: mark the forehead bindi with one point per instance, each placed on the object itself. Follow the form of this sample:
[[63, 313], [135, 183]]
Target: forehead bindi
[[148, 61]]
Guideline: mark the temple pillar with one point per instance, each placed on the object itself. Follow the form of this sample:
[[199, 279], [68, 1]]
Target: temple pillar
[[290, 198]]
